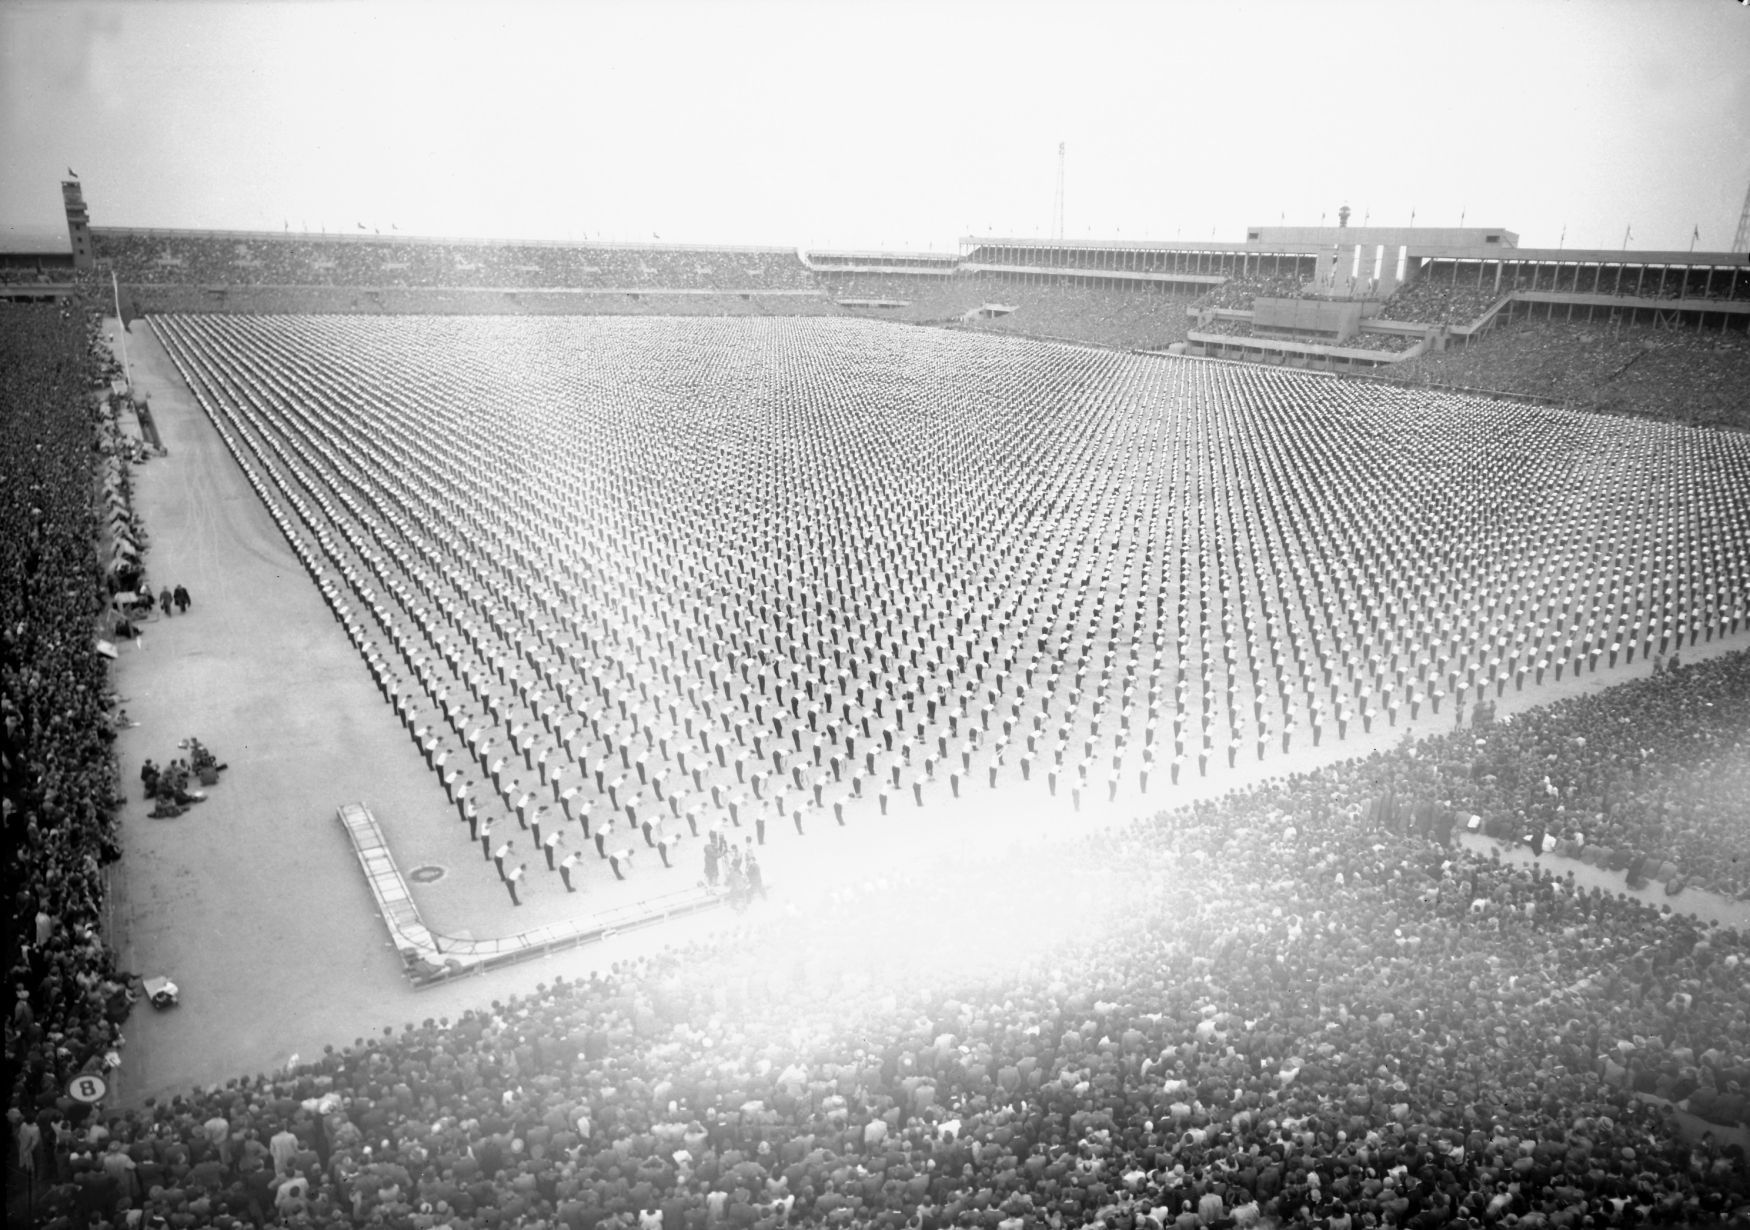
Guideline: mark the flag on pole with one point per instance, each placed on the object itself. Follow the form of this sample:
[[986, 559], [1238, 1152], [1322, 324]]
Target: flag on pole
[[1412, 215]]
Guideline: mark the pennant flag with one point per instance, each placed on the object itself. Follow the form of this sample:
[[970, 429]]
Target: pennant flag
[[1697, 234], [72, 172], [362, 226]]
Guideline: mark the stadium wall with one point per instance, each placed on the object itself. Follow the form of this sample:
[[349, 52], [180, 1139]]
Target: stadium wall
[[138, 300]]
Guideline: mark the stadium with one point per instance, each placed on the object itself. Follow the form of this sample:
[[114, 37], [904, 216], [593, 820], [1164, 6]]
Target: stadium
[[1248, 731]]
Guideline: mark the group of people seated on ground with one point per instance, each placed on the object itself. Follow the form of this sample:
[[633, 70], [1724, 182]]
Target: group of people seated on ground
[[57, 711], [171, 788], [1283, 1007], [302, 260]]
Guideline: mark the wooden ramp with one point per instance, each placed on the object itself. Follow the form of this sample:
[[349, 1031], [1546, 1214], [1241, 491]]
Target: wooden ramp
[[428, 958]]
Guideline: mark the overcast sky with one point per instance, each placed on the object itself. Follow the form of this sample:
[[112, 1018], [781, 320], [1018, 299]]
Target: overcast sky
[[888, 124]]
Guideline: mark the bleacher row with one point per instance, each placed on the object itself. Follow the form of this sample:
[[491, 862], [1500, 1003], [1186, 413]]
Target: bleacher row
[[158, 258], [1207, 555], [1679, 375]]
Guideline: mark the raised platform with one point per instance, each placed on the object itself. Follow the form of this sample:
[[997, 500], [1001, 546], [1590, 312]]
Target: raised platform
[[428, 958]]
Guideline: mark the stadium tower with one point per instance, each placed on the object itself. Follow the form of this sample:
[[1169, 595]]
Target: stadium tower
[[78, 224]]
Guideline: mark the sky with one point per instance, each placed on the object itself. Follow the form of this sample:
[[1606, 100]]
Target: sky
[[890, 125]]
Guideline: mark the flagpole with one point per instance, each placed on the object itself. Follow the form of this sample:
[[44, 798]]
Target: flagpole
[[1693, 236], [127, 371]]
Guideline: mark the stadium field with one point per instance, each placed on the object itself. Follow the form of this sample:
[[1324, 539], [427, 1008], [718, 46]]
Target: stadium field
[[798, 572]]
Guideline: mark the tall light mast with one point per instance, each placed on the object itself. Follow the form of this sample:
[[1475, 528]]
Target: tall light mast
[[1741, 241], [1057, 204]]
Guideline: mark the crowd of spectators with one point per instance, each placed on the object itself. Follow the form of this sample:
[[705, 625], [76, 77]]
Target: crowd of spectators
[[158, 258], [1649, 282], [35, 274], [60, 783], [1238, 293], [138, 301], [1297, 1005], [1685, 375], [1611, 783], [1428, 303], [1391, 343], [1125, 319]]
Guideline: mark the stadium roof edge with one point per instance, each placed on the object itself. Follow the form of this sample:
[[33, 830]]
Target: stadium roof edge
[[655, 245], [1616, 256], [872, 254], [1434, 251]]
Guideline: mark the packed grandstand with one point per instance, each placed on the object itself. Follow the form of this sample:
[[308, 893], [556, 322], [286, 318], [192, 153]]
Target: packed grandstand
[[1472, 321], [939, 559]]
